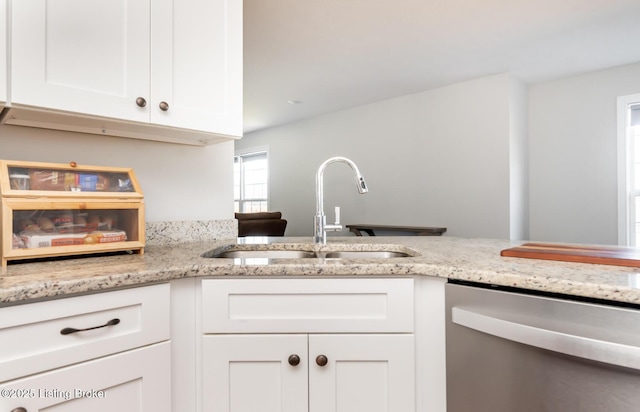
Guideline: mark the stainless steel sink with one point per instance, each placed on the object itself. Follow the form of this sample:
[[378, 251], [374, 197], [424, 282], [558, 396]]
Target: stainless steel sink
[[364, 254], [268, 254], [261, 253]]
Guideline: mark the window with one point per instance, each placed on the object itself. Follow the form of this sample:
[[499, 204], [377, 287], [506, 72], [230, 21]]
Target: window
[[250, 175], [629, 170]]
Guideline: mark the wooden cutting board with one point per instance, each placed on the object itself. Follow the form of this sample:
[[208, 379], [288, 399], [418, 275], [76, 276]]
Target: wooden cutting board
[[603, 255]]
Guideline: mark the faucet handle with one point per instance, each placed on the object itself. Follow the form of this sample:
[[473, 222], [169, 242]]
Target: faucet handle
[[336, 227]]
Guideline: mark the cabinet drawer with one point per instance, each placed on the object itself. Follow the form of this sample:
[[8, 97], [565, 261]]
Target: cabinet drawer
[[307, 305], [136, 380], [32, 339]]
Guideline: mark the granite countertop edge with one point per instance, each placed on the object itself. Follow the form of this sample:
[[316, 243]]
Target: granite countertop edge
[[474, 260]]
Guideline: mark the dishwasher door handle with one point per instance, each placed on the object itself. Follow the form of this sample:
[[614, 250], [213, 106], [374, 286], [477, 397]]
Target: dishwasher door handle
[[584, 347]]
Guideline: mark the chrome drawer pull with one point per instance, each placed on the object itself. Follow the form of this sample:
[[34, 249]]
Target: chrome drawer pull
[[67, 331]]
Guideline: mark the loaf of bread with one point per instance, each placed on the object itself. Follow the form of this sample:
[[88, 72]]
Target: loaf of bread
[[45, 224]]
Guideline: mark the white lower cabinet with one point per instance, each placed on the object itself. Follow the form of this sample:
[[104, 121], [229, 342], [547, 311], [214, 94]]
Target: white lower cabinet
[[230, 345], [103, 352], [133, 381], [353, 349], [318, 373]]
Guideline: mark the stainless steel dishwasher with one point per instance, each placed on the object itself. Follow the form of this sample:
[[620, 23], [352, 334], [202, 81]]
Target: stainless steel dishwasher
[[509, 351]]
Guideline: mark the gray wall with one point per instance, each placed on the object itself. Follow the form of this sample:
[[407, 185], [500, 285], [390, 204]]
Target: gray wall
[[459, 157], [179, 182], [573, 155], [436, 158]]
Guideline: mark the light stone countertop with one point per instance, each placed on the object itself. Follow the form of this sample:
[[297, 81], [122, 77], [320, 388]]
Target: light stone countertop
[[475, 260]]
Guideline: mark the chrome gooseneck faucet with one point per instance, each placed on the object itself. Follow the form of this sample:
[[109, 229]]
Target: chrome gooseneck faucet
[[320, 227]]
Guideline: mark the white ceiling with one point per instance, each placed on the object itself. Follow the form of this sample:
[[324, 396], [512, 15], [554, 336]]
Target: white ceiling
[[335, 54]]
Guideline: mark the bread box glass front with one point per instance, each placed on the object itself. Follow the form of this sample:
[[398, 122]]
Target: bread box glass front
[[68, 209]]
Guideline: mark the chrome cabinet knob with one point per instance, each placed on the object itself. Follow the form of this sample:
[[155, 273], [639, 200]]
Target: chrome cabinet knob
[[141, 102], [321, 360], [294, 360], [19, 409], [164, 106]]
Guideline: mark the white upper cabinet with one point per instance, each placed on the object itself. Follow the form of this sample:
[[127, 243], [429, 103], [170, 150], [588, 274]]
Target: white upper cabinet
[[196, 65], [3, 52], [90, 57], [173, 64]]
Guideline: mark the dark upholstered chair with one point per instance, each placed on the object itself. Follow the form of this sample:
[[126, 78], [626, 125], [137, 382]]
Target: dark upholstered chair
[[261, 224]]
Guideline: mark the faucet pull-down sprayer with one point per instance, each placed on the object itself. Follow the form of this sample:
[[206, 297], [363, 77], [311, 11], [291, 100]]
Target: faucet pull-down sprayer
[[320, 226]]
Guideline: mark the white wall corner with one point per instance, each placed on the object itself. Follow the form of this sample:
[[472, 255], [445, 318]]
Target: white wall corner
[[518, 160]]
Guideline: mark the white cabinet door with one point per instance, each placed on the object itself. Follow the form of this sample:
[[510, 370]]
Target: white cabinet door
[[373, 373], [3, 52], [249, 373], [83, 56], [134, 381], [197, 65]]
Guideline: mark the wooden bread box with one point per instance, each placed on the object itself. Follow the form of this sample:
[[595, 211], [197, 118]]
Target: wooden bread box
[[51, 209]]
